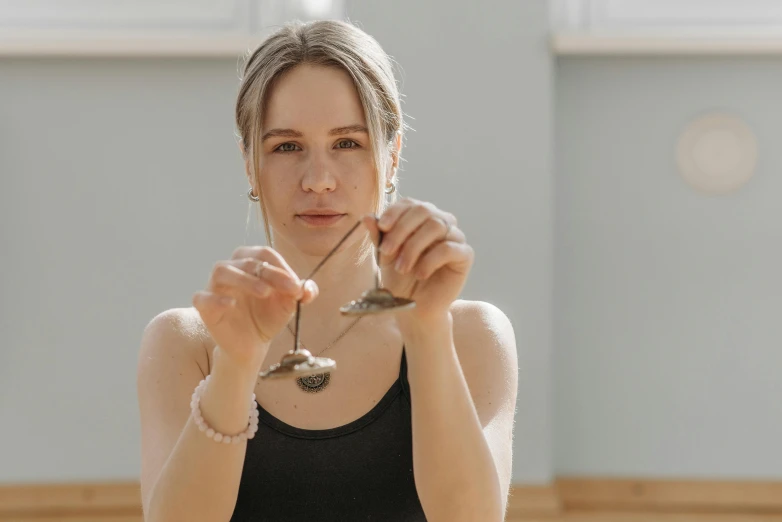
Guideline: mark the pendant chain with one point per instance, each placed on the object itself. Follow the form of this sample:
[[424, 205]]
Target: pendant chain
[[340, 336]]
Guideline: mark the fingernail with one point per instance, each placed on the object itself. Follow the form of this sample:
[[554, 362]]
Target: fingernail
[[398, 265]]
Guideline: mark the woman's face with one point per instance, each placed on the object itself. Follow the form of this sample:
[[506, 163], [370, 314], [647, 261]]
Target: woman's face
[[315, 158]]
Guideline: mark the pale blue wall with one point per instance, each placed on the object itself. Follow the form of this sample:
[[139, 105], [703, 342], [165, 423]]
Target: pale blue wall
[[668, 303]]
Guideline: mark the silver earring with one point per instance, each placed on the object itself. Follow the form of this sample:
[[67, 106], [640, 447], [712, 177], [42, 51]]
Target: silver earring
[[391, 187], [250, 195]]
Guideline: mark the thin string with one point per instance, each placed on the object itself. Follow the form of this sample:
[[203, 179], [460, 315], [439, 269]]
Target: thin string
[[377, 258], [322, 261]]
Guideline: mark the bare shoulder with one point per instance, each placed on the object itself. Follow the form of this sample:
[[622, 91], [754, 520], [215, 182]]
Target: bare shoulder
[[177, 333], [485, 343], [479, 321], [486, 346], [172, 360]]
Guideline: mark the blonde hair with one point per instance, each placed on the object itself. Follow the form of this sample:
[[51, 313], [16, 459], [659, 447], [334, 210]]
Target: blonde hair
[[328, 43]]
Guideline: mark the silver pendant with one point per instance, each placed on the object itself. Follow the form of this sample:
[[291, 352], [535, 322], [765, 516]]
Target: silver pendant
[[375, 301], [299, 362], [314, 383]]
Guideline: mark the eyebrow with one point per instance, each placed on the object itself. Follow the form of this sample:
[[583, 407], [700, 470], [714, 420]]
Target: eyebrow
[[290, 133], [350, 129], [281, 133]]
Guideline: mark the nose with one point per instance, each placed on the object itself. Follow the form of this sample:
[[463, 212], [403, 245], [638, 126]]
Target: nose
[[319, 176]]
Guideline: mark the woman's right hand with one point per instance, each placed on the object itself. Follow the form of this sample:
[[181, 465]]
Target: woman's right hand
[[244, 311]]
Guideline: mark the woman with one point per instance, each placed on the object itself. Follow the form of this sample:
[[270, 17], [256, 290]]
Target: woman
[[416, 423]]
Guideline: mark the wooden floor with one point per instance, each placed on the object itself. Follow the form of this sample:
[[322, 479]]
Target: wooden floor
[[602, 516], [592, 516], [565, 500]]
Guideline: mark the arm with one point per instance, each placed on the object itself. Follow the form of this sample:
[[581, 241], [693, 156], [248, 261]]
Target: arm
[[462, 443], [184, 474]]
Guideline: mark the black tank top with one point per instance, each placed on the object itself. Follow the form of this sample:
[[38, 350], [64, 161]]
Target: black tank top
[[362, 470]]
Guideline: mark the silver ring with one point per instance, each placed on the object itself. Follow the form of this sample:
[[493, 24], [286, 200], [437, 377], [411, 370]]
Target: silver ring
[[447, 228], [260, 268]]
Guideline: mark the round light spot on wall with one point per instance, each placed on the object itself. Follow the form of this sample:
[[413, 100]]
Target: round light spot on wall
[[717, 153]]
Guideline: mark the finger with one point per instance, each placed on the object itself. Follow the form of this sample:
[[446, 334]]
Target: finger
[[370, 223], [235, 275], [455, 235], [430, 232], [271, 256], [255, 277], [457, 256], [262, 253], [404, 226], [212, 306], [283, 281], [276, 278], [394, 212], [310, 291]]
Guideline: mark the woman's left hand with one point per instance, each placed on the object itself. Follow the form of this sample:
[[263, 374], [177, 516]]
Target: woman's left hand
[[423, 255]]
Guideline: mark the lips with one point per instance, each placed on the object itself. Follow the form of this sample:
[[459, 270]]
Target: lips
[[320, 220]]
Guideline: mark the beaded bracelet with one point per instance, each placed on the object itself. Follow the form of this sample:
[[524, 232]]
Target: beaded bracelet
[[249, 433]]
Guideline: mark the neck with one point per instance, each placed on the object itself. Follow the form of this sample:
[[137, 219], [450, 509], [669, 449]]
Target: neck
[[344, 276]]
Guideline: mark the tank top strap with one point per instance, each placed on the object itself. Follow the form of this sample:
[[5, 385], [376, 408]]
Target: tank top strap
[[403, 376]]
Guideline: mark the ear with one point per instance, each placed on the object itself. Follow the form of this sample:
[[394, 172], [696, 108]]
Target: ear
[[397, 150], [246, 158]]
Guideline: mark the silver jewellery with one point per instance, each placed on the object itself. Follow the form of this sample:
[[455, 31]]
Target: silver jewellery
[[250, 195], [260, 268], [318, 381], [300, 362], [447, 228]]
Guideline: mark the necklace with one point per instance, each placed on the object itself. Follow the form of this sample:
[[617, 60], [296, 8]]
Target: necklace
[[317, 382]]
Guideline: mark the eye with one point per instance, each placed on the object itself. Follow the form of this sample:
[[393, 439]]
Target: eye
[[347, 144], [287, 147]]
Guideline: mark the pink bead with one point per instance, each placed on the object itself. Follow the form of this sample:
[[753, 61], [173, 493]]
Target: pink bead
[[249, 433]]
